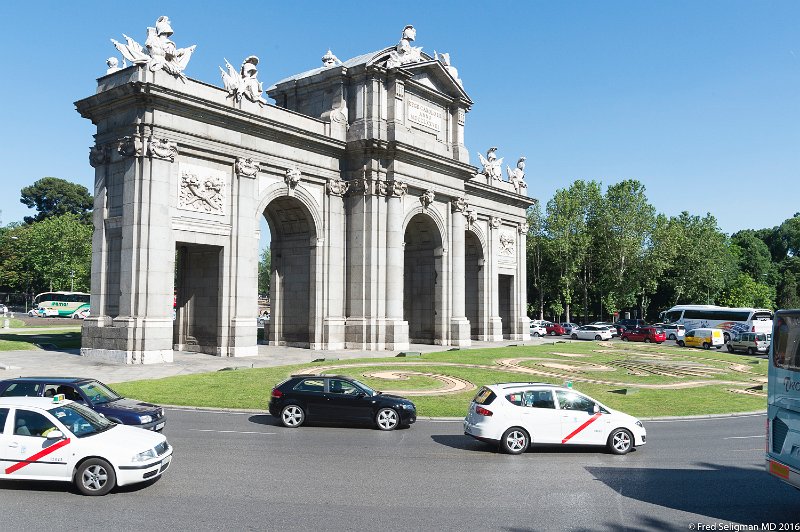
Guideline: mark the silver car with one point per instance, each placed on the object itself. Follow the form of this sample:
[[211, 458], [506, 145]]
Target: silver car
[[749, 342]]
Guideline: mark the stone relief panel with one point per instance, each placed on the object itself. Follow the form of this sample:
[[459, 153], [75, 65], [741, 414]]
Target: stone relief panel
[[507, 243], [202, 189]]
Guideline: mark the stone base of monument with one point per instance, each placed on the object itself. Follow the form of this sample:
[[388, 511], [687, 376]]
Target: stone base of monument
[[333, 333], [494, 330], [460, 332]]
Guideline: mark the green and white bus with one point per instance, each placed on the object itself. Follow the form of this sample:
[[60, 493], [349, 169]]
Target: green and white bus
[[65, 304], [783, 399]]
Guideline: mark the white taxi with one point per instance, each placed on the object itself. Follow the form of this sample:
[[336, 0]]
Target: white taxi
[[57, 439], [517, 414]]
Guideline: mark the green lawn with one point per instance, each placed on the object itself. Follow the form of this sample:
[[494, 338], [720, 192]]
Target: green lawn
[[64, 338], [250, 388]]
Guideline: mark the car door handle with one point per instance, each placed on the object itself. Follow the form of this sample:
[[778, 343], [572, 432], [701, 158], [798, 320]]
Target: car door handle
[[13, 445]]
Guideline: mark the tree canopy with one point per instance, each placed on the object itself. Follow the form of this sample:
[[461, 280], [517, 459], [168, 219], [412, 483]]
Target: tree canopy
[[51, 196]]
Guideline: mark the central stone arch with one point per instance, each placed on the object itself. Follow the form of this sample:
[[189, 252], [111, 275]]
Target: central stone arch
[[423, 298]]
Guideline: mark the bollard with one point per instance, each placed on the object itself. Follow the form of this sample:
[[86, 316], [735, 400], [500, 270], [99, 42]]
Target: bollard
[[6, 323]]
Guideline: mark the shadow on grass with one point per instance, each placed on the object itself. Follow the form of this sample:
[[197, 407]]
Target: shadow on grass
[[719, 492], [66, 342]]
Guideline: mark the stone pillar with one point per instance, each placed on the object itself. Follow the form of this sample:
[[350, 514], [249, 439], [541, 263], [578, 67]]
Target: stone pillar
[[459, 324], [523, 322], [334, 293], [396, 327], [494, 331], [243, 264]]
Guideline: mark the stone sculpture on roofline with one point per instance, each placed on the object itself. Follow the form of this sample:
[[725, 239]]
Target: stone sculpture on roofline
[[243, 83], [492, 166], [404, 53], [516, 176], [159, 52]]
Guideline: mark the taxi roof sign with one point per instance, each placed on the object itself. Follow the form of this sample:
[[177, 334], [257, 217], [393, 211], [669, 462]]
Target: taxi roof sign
[[59, 397]]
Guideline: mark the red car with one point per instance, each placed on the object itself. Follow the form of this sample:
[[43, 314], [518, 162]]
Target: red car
[[644, 334], [555, 329]]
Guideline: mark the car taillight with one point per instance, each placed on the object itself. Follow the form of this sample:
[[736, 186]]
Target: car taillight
[[277, 393], [753, 328], [482, 411]]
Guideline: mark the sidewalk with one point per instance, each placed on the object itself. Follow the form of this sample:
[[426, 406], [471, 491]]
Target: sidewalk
[[69, 363]]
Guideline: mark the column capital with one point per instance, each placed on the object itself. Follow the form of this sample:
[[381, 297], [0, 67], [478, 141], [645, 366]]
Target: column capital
[[459, 204], [246, 167], [161, 148]]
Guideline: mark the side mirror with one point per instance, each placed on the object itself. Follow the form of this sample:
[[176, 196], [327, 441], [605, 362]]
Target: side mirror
[[595, 409], [361, 395], [55, 435]]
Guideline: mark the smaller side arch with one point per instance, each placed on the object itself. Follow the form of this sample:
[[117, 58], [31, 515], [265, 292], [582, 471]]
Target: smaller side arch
[[478, 232], [434, 215], [279, 190]]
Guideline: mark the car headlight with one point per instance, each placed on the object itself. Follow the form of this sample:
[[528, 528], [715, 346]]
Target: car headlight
[[149, 454], [639, 423], [145, 419]]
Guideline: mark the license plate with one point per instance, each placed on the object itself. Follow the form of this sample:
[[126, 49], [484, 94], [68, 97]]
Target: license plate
[[159, 426]]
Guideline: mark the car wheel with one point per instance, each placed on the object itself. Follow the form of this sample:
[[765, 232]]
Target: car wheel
[[620, 441], [387, 419], [292, 416], [624, 338], [598, 337], [681, 343], [515, 441], [552, 333], [95, 476], [751, 351], [730, 349], [574, 336], [706, 345], [535, 335], [647, 340], [672, 337]]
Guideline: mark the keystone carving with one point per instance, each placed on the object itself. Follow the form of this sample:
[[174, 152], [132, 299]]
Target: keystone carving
[[471, 217], [292, 178], [245, 167], [426, 199], [495, 221], [162, 149]]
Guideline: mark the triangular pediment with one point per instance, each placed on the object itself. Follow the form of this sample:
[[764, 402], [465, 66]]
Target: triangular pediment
[[434, 75]]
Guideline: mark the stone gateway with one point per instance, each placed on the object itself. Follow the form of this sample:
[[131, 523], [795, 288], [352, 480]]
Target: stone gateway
[[382, 232]]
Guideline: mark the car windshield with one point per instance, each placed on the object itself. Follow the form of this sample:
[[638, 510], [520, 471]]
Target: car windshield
[[367, 390], [80, 420], [98, 393]]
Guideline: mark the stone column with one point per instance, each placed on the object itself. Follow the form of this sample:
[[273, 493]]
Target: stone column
[[523, 322], [459, 324], [494, 331], [334, 293], [396, 327]]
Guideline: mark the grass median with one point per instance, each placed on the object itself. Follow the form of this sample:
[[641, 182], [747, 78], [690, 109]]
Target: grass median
[[642, 380]]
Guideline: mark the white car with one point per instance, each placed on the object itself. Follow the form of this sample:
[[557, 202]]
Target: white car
[[591, 332], [569, 327], [537, 329], [516, 415], [57, 439]]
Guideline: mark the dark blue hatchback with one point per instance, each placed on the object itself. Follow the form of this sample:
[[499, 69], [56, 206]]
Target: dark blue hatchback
[[91, 393]]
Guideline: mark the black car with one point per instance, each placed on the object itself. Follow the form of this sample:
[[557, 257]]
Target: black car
[[337, 398], [91, 393]]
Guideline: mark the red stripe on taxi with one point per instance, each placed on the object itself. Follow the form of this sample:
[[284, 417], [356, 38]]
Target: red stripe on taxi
[[37, 456], [576, 431]]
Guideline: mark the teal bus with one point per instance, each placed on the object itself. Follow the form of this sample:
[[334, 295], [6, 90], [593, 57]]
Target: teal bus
[[783, 399], [64, 304]]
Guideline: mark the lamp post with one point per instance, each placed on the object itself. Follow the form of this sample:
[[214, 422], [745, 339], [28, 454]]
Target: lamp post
[[72, 280]]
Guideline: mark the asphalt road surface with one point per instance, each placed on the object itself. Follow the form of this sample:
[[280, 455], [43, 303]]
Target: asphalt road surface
[[234, 471]]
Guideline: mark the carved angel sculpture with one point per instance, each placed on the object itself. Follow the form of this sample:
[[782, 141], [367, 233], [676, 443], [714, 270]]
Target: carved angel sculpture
[[159, 53], [243, 83], [132, 50], [492, 166], [516, 176], [404, 53]]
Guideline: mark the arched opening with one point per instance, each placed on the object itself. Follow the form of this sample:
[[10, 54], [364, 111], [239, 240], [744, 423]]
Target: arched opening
[[473, 285], [422, 266], [197, 300], [292, 289]]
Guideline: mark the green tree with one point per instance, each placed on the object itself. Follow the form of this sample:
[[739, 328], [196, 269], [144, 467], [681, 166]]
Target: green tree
[[52, 196], [54, 254], [264, 271], [745, 292], [754, 257], [536, 249]]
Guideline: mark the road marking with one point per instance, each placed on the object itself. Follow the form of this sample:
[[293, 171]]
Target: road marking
[[703, 419], [232, 431], [744, 437], [173, 409], [747, 450]]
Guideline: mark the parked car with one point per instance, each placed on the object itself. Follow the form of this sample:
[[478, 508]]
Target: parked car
[[749, 342], [674, 331], [81, 314], [704, 337], [515, 415], [337, 398], [643, 334], [591, 332], [537, 329], [92, 393], [569, 326], [554, 329], [57, 439], [609, 326]]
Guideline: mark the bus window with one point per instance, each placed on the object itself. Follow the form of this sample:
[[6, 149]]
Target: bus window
[[762, 316], [786, 350], [673, 316]]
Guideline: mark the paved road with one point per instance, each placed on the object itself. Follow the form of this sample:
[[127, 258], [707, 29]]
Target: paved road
[[243, 472]]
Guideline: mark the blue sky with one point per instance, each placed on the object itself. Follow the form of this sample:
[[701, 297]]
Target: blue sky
[[698, 100]]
